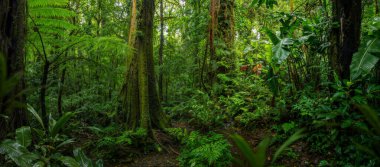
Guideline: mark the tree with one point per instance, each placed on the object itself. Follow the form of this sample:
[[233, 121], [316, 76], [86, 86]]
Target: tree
[[221, 37], [12, 47], [345, 35], [161, 51], [139, 95]]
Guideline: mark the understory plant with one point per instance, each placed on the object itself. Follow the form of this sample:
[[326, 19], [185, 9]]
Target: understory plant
[[205, 150], [48, 149]]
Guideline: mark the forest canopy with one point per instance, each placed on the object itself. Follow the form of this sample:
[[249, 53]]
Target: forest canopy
[[189, 83]]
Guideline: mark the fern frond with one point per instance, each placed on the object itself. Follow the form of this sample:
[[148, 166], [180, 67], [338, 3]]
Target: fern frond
[[51, 12], [52, 31], [57, 23], [46, 3]]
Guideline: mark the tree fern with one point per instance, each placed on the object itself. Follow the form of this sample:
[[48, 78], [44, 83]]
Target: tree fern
[[53, 12], [47, 3], [45, 15]]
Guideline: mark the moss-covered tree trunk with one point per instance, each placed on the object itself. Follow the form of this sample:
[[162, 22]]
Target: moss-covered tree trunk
[[226, 36], [12, 47], [221, 38], [140, 98], [345, 35]]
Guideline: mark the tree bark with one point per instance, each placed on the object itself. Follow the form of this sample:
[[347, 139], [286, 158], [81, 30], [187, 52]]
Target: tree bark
[[12, 47], [221, 37], [60, 93], [345, 37], [139, 95], [43, 92], [161, 51]]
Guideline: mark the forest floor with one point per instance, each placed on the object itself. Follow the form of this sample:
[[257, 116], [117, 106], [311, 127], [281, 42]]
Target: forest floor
[[300, 156]]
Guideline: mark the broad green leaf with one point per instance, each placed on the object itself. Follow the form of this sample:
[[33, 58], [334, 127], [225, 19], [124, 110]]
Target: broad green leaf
[[245, 148], [83, 160], [69, 161], [18, 153], [296, 136], [39, 164], [371, 116], [24, 136], [61, 123], [280, 53], [35, 114], [272, 36], [99, 163], [365, 59], [261, 152], [66, 142]]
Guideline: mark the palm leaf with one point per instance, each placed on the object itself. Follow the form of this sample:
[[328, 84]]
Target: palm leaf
[[365, 59]]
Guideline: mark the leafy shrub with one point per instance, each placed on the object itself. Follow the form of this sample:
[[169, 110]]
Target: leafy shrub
[[205, 150], [258, 158], [200, 110], [110, 145], [41, 155], [178, 133]]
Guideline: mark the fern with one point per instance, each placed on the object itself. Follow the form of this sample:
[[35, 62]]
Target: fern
[[50, 17], [51, 12], [47, 3], [55, 23], [209, 150]]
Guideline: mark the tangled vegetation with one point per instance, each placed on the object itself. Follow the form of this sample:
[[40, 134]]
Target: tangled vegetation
[[189, 83]]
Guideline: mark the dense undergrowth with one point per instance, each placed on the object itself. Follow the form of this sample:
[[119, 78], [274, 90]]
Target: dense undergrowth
[[280, 102]]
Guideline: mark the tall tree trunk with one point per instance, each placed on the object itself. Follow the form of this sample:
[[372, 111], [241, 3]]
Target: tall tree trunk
[[161, 51], [226, 34], [221, 30], [345, 37], [12, 47], [214, 8], [139, 95], [43, 92], [60, 93]]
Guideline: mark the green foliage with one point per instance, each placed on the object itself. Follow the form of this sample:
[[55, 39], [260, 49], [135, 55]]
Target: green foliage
[[111, 144], [205, 150], [268, 3], [50, 17], [369, 53], [178, 133], [17, 151], [373, 119], [258, 158], [200, 110], [23, 136]]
